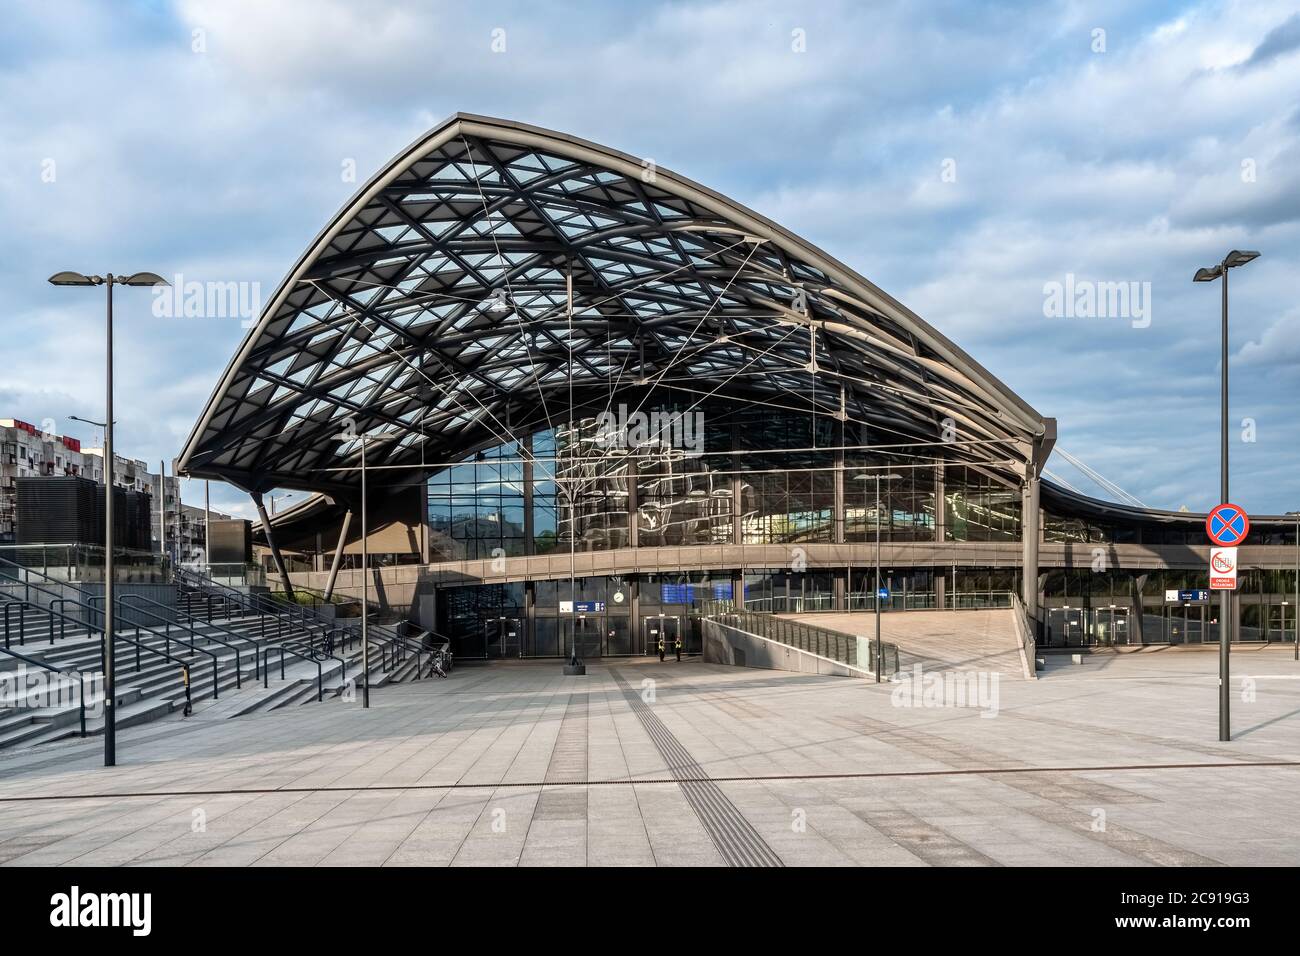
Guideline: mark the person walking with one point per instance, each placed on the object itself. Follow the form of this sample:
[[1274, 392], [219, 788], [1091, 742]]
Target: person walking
[[677, 644], [662, 649], [189, 704]]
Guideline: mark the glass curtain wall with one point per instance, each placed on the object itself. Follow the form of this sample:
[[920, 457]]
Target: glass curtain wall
[[680, 472], [786, 496], [476, 509]]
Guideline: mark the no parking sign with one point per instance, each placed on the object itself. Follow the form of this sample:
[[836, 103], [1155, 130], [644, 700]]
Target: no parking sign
[[1227, 525]]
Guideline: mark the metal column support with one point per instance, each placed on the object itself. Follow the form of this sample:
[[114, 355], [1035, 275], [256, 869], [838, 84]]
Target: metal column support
[[526, 450], [275, 548], [1029, 535], [940, 531], [837, 512], [338, 554]]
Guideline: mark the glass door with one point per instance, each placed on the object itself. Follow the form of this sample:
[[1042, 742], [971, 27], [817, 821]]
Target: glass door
[[589, 633], [1112, 626], [652, 628], [618, 636], [1069, 627], [1281, 623], [503, 638]]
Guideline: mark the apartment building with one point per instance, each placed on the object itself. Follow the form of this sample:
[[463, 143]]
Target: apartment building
[[29, 451]]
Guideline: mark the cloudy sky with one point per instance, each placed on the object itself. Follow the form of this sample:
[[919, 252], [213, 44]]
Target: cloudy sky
[[962, 156]]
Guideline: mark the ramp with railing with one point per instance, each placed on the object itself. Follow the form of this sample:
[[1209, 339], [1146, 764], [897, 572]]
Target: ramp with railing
[[785, 644]]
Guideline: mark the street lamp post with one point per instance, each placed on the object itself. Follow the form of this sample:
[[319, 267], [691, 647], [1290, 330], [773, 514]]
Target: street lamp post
[[1296, 634], [108, 281], [879, 649], [365, 439], [1231, 261]]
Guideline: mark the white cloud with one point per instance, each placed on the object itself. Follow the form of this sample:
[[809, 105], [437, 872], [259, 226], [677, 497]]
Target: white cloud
[[1120, 166]]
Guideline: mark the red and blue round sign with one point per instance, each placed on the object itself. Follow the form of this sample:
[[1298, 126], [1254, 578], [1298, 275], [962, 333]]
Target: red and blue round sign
[[1227, 525]]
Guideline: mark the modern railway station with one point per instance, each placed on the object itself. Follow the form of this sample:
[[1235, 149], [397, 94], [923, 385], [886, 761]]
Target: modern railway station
[[528, 400], [590, 401]]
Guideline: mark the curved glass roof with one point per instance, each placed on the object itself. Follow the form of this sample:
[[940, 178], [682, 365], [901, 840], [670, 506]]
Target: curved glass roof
[[497, 278]]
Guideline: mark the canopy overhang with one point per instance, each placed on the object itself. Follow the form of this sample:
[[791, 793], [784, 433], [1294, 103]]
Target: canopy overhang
[[495, 278]]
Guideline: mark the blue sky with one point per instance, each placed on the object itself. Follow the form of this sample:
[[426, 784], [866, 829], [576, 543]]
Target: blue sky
[[960, 155]]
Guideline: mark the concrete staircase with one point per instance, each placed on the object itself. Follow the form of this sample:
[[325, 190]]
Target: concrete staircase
[[238, 639]]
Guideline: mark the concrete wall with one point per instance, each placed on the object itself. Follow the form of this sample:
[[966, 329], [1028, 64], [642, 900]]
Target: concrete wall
[[724, 644]]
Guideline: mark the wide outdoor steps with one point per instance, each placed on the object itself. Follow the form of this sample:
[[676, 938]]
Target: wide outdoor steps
[[974, 640], [155, 690]]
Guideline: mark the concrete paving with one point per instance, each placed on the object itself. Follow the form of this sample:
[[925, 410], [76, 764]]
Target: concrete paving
[[977, 639], [1114, 761]]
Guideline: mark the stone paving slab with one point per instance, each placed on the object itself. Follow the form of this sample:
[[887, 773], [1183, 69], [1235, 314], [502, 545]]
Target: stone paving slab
[[1114, 761]]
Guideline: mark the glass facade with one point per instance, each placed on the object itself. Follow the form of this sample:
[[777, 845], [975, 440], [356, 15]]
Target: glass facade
[[1087, 608], [752, 475], [978, 507], [476, 509]]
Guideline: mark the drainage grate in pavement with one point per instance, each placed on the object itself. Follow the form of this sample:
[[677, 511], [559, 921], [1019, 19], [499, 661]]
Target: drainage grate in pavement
[[738, 842]]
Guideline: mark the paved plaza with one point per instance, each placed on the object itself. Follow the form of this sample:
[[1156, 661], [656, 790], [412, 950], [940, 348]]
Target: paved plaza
[[1113, 761]]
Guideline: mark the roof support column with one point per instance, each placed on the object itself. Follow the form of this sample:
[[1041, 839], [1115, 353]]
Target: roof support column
[[837, 504], [338, 554], [275, 548], [1029, 536], [526, 454]]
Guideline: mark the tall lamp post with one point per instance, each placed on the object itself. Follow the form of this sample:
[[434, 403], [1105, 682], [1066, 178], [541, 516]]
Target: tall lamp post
[[365, 440], [1232, 260], [108, 281], [1296, 633], [878, 478]]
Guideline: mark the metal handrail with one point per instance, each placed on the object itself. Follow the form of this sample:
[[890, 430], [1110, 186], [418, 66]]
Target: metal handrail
[[81, 681], [96, 613], [166, 635], [192, 621], [1027, 640], [287, 646], [140, 645], [251, 603], [824, 642], [22, 620], [308, 619], [239, 667]]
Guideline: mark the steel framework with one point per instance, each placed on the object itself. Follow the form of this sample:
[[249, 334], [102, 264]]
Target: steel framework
[[496, 278]]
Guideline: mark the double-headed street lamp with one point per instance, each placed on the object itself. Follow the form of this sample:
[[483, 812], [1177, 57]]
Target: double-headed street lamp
[[878, 478], [108, 281], [1233, 259]]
